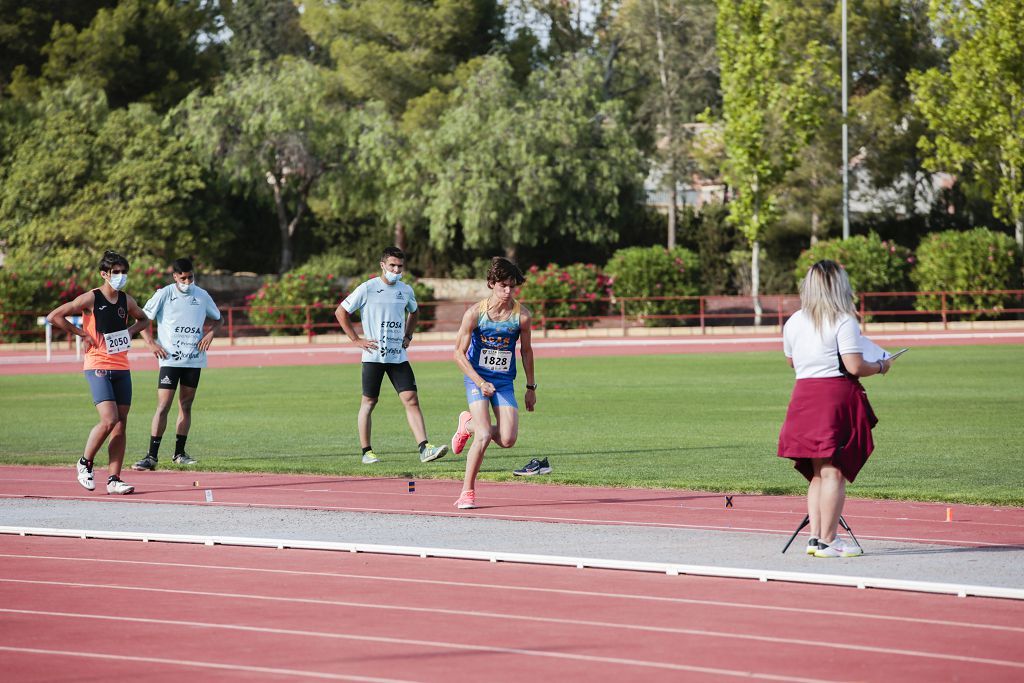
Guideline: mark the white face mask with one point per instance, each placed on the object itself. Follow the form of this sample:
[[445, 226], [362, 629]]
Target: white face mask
[[184, 287], [118, 281], [392, 277]]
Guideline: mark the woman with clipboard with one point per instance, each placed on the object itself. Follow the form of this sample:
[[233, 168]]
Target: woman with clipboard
[[827, 432], [107, 338]]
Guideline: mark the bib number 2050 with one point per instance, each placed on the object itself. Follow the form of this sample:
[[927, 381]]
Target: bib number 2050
[[495, 360], [118, 342]]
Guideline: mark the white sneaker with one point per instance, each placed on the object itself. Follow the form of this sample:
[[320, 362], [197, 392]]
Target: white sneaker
[[85, 476], [369, 457], [117, 486], [838, 548], [812, 546]]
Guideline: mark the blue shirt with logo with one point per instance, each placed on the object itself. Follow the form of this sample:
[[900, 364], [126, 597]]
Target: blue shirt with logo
[[382, 309], [179, 323]]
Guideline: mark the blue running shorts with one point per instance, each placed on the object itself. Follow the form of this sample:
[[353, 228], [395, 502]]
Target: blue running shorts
[[504, 395], [110, 385]]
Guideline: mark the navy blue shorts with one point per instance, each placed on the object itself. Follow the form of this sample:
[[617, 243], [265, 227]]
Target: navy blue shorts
[[110, 385]]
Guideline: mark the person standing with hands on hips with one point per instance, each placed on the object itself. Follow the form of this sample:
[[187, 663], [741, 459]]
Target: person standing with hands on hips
[[485, 351], [827, 432], [388, 310], [106, 338], [186, 320]]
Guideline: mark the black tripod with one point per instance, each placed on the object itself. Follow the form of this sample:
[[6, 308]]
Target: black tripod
[[807, 520]]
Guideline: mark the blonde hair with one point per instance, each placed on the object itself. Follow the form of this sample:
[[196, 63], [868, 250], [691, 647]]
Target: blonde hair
[[826, 295]]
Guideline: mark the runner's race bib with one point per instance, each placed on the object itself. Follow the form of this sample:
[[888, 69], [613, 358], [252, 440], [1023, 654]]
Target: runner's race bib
[[118, 342], [495, 360]]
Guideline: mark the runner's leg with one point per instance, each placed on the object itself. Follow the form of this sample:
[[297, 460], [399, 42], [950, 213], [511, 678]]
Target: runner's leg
[[481, 439], [115, 448]]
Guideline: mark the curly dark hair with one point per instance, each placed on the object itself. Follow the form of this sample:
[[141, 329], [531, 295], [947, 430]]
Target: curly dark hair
[[502, 270]]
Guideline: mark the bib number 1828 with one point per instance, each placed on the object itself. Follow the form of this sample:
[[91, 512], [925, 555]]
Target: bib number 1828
[[495, 360]]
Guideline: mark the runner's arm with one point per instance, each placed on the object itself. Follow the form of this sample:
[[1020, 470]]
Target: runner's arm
[[410, 327], [141, 323], [346, 325], [526, 351], [210, 328], [469, 320], [58, 316]]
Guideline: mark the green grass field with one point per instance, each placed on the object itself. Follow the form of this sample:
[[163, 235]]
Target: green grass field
[[951, 423]]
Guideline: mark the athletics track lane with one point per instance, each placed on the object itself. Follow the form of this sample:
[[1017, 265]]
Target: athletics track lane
[[972, 525], [97, 610]]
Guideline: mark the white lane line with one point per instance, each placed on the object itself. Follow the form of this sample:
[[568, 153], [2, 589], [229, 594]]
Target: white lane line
[[522, 517], [801, 642], [604, 595], [405, 642], [670, 568], [121, 657]]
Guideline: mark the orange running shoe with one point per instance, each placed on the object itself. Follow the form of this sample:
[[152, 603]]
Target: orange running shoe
[[467, 501], [462, 433]]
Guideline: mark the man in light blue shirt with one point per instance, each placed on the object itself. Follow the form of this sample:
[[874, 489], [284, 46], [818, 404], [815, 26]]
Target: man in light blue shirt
[[186, 320], [388, 310]]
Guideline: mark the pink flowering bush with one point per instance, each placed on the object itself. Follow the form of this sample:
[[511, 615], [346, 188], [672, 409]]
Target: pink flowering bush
[[280, 304], [979, 259], [651, 272], [871, 263], [28, 291], [569, 293]]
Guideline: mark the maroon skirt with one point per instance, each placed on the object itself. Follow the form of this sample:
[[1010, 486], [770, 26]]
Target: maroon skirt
[[828, 417]]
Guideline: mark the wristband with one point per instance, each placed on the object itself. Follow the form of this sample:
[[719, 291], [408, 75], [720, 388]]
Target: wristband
[[531, 387]]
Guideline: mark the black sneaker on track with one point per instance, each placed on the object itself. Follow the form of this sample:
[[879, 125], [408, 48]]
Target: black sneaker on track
[[147, 464], [533, 467]]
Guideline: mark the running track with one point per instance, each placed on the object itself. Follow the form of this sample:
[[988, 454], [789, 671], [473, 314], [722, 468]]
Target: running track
[[102, 610], [73, 609]]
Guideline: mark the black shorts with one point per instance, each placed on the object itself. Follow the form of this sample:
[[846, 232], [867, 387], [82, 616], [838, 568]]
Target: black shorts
[[168, 377], [400, 374]]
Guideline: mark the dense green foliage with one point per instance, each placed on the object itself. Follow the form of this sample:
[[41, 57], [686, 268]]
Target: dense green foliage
[[652, 273], [255, 135], [963, 261], [873, 264], [949, 418]]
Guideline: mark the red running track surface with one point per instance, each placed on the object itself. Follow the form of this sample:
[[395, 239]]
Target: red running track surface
[[73, 610]]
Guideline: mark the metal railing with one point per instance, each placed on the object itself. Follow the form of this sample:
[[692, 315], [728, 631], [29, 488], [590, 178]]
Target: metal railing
[[622, 313]]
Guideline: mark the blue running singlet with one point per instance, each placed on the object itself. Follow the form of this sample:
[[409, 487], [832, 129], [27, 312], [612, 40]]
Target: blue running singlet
[[492, 347]]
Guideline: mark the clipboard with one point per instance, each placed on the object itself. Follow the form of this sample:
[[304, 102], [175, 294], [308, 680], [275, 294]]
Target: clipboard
[[897, 354]]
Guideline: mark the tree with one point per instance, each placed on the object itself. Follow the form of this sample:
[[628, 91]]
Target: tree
[[394, 51], [25, 30], [514, 168], [888, 40], [271, 127], [139, 51], [976, 108], [262, 30], [672, 42], [85, 178], [770, 107]]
